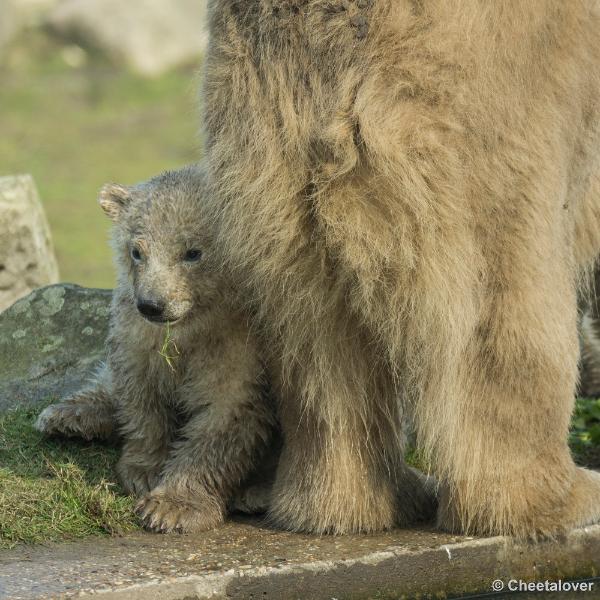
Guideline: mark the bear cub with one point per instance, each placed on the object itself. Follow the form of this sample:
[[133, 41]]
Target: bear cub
[[183, 380]]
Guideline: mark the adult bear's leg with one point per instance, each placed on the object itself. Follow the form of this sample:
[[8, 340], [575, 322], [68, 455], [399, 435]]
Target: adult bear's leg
[[589, 337], [499, 431], [587, 241], [342, 467]]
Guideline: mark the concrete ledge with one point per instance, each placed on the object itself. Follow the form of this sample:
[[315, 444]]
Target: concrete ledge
[[246, 560]]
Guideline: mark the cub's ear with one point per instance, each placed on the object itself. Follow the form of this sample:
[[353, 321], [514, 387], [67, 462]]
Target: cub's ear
[[113, 198]]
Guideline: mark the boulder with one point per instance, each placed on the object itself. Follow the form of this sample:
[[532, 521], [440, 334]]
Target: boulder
[[27, 258], [30, 13], [51, 342], [148, 36], [16, 15]]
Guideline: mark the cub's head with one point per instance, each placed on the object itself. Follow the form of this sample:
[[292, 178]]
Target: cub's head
[[162, 245]]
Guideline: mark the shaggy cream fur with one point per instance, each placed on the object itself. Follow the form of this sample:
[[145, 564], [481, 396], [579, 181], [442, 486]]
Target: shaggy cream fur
[[403, 190]]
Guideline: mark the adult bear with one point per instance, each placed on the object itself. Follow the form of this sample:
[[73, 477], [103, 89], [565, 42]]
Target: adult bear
[[403, 189]]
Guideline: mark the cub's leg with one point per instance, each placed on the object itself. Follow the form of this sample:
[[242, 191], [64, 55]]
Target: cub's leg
[[499, 427], [253, 499], [254, 496], [146, 424], [89, 414], [215, 451]]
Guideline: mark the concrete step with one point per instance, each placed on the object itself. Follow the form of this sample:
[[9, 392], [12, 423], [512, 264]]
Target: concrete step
[[245, 559]]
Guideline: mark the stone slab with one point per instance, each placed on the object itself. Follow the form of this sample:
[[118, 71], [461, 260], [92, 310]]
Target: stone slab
[[246, 559]]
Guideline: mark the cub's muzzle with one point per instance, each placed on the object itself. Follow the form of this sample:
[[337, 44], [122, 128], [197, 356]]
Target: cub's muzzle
[[153, 310]]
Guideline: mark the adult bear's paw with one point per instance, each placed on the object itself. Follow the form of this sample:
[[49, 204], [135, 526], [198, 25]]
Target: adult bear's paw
[[165, 510], [583, 507], [553, 511]]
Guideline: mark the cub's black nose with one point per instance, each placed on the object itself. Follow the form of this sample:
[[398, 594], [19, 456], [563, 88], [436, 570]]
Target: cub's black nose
[[151, 309]]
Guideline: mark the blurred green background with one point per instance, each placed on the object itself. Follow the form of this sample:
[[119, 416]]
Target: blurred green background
[[75, 121]]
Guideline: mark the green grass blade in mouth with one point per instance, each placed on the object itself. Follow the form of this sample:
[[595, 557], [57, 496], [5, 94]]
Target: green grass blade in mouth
[[169, 350]]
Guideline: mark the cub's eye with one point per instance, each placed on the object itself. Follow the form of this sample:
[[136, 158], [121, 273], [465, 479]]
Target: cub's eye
[[192, 255], [136, 254]]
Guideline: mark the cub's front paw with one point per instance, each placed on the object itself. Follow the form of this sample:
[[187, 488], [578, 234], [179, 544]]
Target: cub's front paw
[[165, 509], [136, 479]]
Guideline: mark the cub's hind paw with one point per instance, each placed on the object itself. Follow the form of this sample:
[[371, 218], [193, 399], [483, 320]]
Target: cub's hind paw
[[164, 511], [252, 500], [74, 419]]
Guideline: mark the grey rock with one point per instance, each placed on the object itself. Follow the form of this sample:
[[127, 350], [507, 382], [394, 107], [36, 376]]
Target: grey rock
[[148, 36], [51, 342], [27, 258]]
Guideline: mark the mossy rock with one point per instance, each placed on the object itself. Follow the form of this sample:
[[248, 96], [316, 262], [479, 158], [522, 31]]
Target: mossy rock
[[50, 343]]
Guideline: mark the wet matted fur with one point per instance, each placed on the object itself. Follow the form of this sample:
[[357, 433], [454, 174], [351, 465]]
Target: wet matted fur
[[405, 192], [190, 399]]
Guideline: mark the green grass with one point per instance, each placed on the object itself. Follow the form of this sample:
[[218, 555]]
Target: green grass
[[585, 432], [55, 490], [74, 129]]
